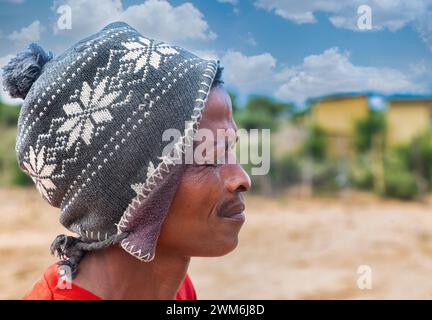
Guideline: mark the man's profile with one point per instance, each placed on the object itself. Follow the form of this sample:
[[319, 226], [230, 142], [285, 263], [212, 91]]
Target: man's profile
[[90, 136]]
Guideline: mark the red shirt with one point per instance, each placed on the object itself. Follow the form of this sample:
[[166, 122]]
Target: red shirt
[[46, 288]]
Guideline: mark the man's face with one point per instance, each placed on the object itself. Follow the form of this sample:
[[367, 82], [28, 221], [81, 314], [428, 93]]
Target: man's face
[[206, 213]]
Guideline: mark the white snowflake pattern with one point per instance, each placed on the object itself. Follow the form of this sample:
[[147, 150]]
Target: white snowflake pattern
[[138, 187], [150, 169], [146, 51], [40, 171], [89, 112]]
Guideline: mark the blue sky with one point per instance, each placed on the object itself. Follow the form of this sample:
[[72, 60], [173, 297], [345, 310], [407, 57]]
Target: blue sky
[[288, 49]]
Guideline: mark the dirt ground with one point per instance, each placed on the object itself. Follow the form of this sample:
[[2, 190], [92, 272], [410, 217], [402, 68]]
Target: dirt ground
[[290, 248]]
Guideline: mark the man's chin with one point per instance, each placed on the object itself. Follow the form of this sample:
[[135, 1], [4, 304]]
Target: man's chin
[[226, 246]]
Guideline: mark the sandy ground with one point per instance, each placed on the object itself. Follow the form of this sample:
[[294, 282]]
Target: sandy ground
[[289, 248]]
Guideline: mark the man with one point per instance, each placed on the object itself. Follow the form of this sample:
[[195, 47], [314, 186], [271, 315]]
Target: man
[[91, 136]]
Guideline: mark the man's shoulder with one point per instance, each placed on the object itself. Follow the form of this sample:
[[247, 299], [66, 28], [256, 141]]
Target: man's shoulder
[[47, 288], [186, 290], [41, 289]]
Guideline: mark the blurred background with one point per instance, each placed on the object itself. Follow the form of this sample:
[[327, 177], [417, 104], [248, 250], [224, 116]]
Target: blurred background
[[348, 100]]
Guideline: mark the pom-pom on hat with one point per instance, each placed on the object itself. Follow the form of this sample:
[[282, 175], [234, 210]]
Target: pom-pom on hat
[[20, 73], [90, 133]]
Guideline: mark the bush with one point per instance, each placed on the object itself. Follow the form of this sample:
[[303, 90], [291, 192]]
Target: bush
[[9, 115], [10, 173], [400, 184], [287, 170], [269, 105], [258, 119], [366, 129], [420, 156], [399, 181], [326, 177], [315, 144], [360, 174], [261, 112], [19, 178]]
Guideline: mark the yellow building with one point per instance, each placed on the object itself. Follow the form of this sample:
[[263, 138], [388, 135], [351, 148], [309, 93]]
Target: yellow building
[[337, 114], [407, 116]]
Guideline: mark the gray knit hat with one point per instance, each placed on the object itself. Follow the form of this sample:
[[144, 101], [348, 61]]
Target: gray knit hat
[[90, 133]]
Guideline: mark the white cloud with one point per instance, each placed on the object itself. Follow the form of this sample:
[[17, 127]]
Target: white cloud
[[332, 71], [326, 73], [419, 68], [424, 27], [27, 34], [206, 54], [4, 96], [249, 73], [389, 14], [154, 18], [233, 2], [250, 39]]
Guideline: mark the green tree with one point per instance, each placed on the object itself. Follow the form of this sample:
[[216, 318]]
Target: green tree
[[315, 144], [8, 115], [261, 112], [399, 180], [368, 128], [271, 106], [258, 119], [234, 102]]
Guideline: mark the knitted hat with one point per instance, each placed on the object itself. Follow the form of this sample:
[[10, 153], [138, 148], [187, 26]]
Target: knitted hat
[[90, 133]]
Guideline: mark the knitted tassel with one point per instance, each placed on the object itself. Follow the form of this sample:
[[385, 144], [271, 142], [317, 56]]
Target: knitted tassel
[[24, 69], [71, 250]]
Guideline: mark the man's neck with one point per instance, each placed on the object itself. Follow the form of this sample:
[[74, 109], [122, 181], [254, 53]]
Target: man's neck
[[113, 273]]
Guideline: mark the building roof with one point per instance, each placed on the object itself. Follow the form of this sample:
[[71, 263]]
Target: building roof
[[409, 96], [376, 100]]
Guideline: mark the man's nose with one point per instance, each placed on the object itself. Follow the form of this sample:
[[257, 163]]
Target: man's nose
[[236, 179]]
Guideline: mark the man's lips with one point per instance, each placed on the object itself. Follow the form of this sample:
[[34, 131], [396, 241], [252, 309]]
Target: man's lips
[[235, 211]]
